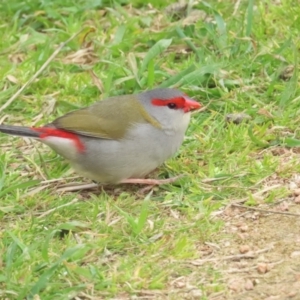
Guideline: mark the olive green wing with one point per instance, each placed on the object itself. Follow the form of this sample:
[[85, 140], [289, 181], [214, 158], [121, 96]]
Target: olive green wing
[[108, 119]]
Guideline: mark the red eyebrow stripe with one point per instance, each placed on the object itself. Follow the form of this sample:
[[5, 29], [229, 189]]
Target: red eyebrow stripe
[[48, 132], [179, 101]]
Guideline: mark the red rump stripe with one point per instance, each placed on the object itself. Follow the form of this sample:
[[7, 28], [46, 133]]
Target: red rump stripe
[[53, 132]]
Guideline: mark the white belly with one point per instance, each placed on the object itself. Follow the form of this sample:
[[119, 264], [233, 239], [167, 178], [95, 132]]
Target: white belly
[[135, 156]]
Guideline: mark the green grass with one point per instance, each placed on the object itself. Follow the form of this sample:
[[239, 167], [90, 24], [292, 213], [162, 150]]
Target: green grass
[[119, 243]]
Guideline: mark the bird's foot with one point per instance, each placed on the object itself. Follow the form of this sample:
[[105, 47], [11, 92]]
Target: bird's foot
[[149, 181]]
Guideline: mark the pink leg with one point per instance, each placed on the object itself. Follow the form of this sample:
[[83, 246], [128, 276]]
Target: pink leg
[[151, 181]]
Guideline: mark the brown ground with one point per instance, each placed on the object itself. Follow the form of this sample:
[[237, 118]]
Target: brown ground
[[259, 254]]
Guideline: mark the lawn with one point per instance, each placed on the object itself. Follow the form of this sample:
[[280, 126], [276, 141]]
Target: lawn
[[240, 60]]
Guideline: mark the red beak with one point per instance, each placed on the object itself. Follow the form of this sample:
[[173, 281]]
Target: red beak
[[191, 104]]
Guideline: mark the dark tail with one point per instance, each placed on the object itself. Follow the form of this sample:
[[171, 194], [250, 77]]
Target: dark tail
[[19, 131]]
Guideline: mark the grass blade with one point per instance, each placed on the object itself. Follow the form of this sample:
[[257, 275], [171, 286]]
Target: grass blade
[[176, 78], [187, 41], [249, 17], [22, 185], [44, 278], [154, 51]]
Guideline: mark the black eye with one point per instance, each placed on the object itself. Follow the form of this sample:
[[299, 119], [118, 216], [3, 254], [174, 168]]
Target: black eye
[[172, 105]]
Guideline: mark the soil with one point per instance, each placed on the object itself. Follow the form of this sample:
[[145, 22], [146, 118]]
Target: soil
[[258, 254]]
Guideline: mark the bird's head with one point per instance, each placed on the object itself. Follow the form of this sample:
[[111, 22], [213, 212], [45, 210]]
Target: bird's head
[[170, 107]]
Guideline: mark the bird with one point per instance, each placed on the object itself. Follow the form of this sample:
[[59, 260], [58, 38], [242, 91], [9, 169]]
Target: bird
[[120, 139]]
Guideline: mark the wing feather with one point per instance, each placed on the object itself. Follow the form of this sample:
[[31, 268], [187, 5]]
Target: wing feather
[[108, 119]]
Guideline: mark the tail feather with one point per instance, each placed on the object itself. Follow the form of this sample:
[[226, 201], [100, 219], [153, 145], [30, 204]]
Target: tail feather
[[51, 136], [19, 131]]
